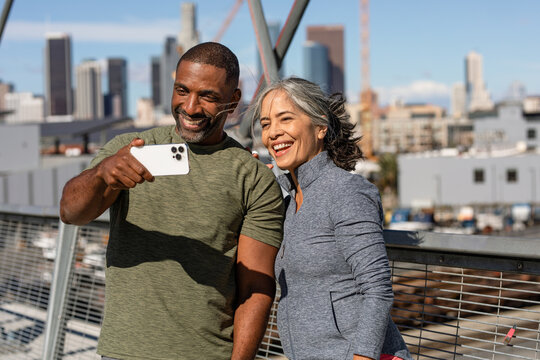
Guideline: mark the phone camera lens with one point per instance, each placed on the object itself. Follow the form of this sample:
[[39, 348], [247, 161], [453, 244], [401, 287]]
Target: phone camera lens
[[178, 157], [181, 149], [173, 149]]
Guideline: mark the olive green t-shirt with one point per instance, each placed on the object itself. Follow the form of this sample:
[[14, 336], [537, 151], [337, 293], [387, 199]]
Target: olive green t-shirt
[[170, 277]]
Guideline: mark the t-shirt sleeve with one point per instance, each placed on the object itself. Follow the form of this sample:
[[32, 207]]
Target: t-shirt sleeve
[[112, 148], [263, 220]]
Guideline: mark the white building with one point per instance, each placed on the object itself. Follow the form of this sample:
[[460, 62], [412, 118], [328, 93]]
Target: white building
[[498, 177], [503, 167], [510, 126], [4, 89], [145, 113], [88, 94], [25, 107], [355, 112], [478, 98], [458, 101], [531, 105], [416, 128]]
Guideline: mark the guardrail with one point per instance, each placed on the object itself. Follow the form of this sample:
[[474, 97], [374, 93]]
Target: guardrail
[[456, 296]]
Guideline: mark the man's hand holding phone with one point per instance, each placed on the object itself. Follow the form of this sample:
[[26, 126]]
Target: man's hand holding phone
[[122, 170]]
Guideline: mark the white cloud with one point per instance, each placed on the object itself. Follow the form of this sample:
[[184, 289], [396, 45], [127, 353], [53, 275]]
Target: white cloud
[[134, 31], [417, 91]]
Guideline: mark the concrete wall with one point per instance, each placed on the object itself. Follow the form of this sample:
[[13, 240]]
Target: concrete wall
[[19, 147], [39, 187], [44, 187], [450, 180]]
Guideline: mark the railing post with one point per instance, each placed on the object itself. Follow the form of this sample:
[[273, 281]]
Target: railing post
[[63, 268]]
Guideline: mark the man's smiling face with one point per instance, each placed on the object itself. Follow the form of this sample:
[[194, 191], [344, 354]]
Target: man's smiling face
[[201, 101]]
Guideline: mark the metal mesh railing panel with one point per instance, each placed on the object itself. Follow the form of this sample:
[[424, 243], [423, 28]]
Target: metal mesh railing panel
[[442, 312], [26, 263], [271, 346], [86, 294], [458, 313]]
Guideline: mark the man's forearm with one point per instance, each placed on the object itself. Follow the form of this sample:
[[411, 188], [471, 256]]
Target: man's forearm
[[256, 288], [84, 198], [250, 321]]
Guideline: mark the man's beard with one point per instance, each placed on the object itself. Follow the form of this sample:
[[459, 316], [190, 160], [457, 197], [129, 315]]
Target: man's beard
[[211, 125]]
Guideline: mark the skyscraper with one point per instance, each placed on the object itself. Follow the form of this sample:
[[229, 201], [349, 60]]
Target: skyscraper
[[5, 88], [156, 84], [458, 106], [188, 36], [273, 29], [117, 74], [169, 58], [58, 91], [316, 67], [332, 38], [145, 113], [478, 98], [88, 94]]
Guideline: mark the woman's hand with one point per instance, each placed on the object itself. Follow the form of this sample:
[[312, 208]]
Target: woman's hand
[[256, 156]]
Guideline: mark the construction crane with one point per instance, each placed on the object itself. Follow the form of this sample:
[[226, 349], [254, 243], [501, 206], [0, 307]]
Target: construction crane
[[228, 20], [368, 98]]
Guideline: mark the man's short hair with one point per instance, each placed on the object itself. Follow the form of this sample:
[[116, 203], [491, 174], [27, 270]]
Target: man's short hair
[[215, 54]]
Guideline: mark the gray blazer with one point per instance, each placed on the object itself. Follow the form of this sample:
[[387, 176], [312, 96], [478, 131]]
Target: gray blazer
[[332, 267]]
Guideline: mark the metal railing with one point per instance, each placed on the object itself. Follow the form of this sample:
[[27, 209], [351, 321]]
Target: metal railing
[[456, 296]]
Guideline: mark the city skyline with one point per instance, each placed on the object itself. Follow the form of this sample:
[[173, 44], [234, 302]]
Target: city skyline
[[417, 48], [331, 37]]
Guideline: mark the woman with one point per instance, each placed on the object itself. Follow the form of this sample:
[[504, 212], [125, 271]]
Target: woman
[[336, 291]]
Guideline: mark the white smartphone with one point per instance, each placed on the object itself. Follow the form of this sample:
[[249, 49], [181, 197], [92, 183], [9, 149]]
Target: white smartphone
[[160, 160]]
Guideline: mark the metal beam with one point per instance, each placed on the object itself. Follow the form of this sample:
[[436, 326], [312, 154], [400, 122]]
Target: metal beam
[[280, 50], [63, 268], [262, 36], [481, 245], [5, 14], [289, 29], [464, 260]]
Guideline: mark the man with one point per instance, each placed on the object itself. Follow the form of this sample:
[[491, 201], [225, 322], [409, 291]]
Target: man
[[189, 256]]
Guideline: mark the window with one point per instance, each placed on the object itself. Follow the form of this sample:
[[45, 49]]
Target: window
[[511, 175], [531, 134], [478, 176]]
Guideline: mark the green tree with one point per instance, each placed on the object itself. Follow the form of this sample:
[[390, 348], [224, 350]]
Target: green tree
[[388, 176]]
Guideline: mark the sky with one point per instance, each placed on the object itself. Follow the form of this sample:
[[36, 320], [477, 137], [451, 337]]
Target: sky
[[417, 47]]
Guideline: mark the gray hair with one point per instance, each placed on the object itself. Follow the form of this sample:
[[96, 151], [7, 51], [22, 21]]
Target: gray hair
[[323, 110]]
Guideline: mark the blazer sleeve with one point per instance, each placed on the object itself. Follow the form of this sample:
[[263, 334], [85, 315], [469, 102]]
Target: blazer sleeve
[[358, 217]]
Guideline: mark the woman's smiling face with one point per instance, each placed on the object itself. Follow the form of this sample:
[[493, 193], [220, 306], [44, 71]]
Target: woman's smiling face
[[288, 133]]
